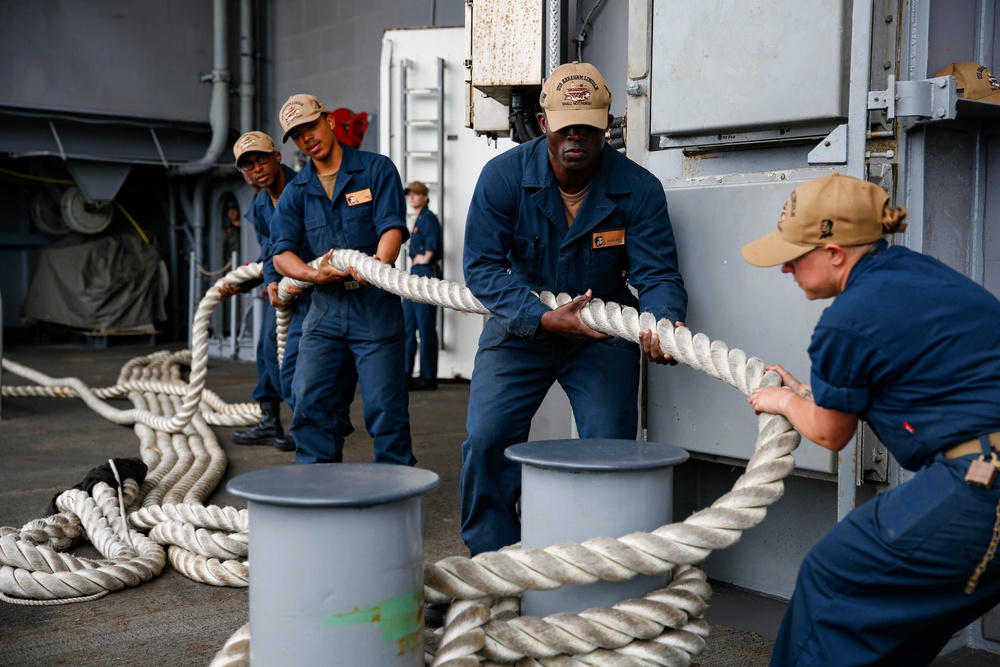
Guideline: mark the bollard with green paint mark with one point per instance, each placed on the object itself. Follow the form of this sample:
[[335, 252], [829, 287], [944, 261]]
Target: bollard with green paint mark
[[399, 619], [337, 564]]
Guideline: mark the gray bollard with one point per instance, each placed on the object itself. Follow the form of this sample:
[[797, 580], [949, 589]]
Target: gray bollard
[[337, 557], [575, 490]]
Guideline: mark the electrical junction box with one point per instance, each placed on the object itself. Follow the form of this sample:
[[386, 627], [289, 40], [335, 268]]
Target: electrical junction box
[[503, 51], [722, 68]]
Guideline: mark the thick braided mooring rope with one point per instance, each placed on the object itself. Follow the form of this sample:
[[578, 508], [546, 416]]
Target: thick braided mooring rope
[[653, 631], [664, 628], [204, 543], [131, 557], [185, 464]]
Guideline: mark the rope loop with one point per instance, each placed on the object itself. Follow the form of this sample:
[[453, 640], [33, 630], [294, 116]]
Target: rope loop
[[173, 417]]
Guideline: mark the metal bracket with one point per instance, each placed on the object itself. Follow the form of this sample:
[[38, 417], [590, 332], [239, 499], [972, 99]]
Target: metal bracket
[[929, 98], [832, 150], [633, 87], [874, 457]]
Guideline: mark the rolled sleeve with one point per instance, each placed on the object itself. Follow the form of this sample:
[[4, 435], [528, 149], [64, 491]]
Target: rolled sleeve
[[841, 365], [271, 274], [287, 232], [389, 203]]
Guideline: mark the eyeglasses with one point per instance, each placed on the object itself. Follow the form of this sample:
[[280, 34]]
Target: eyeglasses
[[250, 164]]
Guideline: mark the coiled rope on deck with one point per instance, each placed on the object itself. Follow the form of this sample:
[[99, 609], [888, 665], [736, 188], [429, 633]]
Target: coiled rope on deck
[[185, 464], [33, 569], [663, 628]]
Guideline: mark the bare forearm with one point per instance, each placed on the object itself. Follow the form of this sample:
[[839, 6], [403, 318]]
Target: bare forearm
[[388, 246], [831, 429], [289, 264]]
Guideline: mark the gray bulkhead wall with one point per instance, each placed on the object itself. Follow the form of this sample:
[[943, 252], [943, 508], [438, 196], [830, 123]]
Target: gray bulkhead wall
[[333, 50], [738, 96], [114, 57], [711, 220], [606, 43], [953, 186], [726, 180]]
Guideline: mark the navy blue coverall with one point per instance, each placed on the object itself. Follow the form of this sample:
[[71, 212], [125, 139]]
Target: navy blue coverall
[[913, 348], [422, 317], [517, 240], [347, 328], [274, 383]]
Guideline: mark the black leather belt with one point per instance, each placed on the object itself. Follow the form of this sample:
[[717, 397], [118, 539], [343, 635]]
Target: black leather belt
[[346, 284]]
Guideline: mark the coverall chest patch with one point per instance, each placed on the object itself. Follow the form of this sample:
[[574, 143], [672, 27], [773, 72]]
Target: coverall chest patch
[[607, 239], [359, 197]]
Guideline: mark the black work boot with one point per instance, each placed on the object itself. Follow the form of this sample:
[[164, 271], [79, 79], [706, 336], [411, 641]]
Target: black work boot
[[284, 443], [267, 431]]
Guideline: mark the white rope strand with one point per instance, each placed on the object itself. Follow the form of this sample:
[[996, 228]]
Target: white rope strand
[[183, 466], [172, 419], [662, 551]]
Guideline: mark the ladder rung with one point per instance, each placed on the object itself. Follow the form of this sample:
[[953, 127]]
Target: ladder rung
[[420, 91], [421, 153], [427, 122]]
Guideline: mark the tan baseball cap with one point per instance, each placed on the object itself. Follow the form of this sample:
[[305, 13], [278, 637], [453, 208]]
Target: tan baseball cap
[[576, 94], [832, 209], [253, 142], [417, 186], [975, 81], [298, 110]]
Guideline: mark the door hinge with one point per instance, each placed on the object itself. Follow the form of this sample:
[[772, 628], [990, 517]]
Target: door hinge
[[929, 98]]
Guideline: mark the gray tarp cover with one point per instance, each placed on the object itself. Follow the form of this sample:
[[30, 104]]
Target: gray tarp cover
[[113, 282]]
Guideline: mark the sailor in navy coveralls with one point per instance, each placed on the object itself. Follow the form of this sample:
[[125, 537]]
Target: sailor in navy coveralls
[[564, 213], [913, 348], [343, 198]]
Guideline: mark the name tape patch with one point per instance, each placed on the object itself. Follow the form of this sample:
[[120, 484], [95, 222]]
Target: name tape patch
[[607, 239], [359, 197]]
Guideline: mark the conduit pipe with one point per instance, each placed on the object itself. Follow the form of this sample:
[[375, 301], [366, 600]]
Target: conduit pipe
[[554, 30], [247, 86], [219, 111], [172, 225], [198, 219], [198, 225]]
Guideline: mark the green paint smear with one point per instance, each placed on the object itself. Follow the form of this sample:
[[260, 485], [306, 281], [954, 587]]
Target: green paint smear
[[398, 618]]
